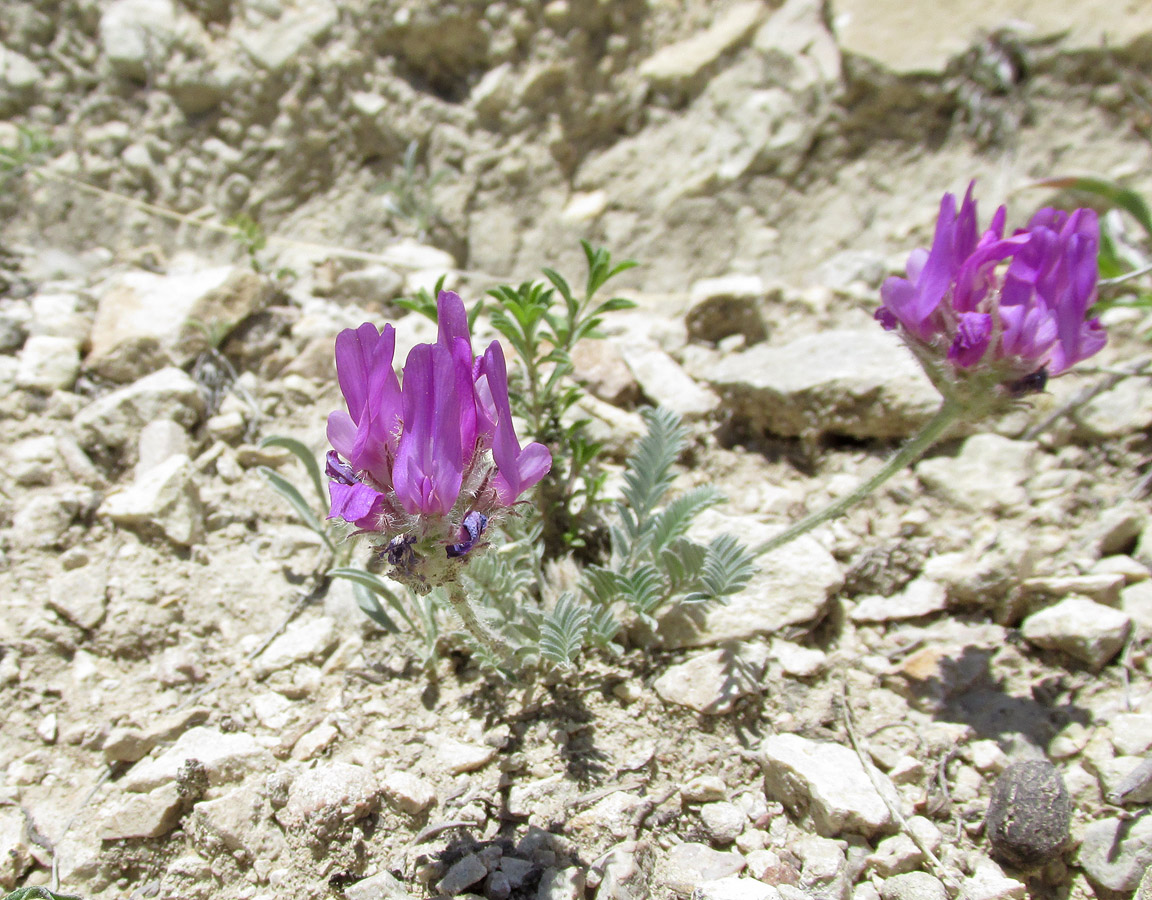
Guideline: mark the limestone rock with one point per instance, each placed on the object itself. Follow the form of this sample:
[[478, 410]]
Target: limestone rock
[[1115, 852], [324, 799], [48, 363], [690, 864], [987, 475], [913, 886], [919, 598], [224, 757], [137, 36], [458, 757], [381, 886], [407, 792], [80, 595], [879, 29], [15, 851], [147, 815], [859, 383], [712, 682], [235, 823], [666, 384], [735, 887], [277, 46], [146, 321], [111, 424], [164, 499], [725, 306], [305, 640], [678, 65], [828, 781], [791, 586], [1081, 628]]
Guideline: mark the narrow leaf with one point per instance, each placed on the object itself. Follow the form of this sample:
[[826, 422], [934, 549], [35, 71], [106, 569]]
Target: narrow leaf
[[377, 587], [288, 491], [302, 453]]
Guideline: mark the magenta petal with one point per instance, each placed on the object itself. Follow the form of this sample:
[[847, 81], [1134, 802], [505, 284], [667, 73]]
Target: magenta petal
[[353, 502], [342, 433], [355, 355], [535, 463], [973, 334]]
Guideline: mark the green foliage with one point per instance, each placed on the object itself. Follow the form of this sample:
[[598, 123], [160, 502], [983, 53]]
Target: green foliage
[[31, 147], [38, 893], [543, 321], [652, 563], [409, 194]]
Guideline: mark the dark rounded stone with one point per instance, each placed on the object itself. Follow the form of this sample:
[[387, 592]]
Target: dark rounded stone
[[1028, 815]]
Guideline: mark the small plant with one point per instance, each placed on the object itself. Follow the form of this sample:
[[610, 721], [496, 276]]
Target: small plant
[[543, 321], [31, 146], [409, 196]]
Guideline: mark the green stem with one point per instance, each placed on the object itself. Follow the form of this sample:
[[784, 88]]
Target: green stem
[[950, 411], [484, 636]]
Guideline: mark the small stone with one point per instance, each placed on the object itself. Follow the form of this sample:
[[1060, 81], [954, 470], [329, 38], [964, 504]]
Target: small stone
[[615, 814], [987, 475], [126, 745], [47, 729], [80, 595], [48, 363], [561, 884], [829, 781], [305, 640], [735, 887], [850, 382], [463, 873], [409, 793], [986, 756], [1089, 631], [797, 661], [1126, 780], [666, 384], [159, 442], [163, 500], [720, 307], [704, 789], [711, 682], [989, 883], [315, 741], [1116, 852], [913, 886], [381, 886], [328, 797], [1132, 733], [678, 65], [15, 851], [112, 423], [895, 855], [920, 598], [234, 822], [224, 756], [459, 757], [1029, 815], [143, 815], [723, 822], [690, 864]]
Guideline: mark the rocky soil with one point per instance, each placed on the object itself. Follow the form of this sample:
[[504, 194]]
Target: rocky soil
[[944, 694]]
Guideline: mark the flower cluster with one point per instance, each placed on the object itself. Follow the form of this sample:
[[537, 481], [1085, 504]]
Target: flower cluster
[[426, 464], [1009, 310]]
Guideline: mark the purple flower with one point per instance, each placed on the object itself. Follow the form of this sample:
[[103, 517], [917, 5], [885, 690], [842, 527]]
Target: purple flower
[[1013, 307], [433, 459]]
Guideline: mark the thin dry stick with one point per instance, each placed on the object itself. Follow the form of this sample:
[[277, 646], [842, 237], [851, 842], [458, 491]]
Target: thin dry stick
[[944, 873]]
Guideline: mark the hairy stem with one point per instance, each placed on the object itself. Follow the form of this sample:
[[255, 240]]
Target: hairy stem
[[484, 636], [950, 411]]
